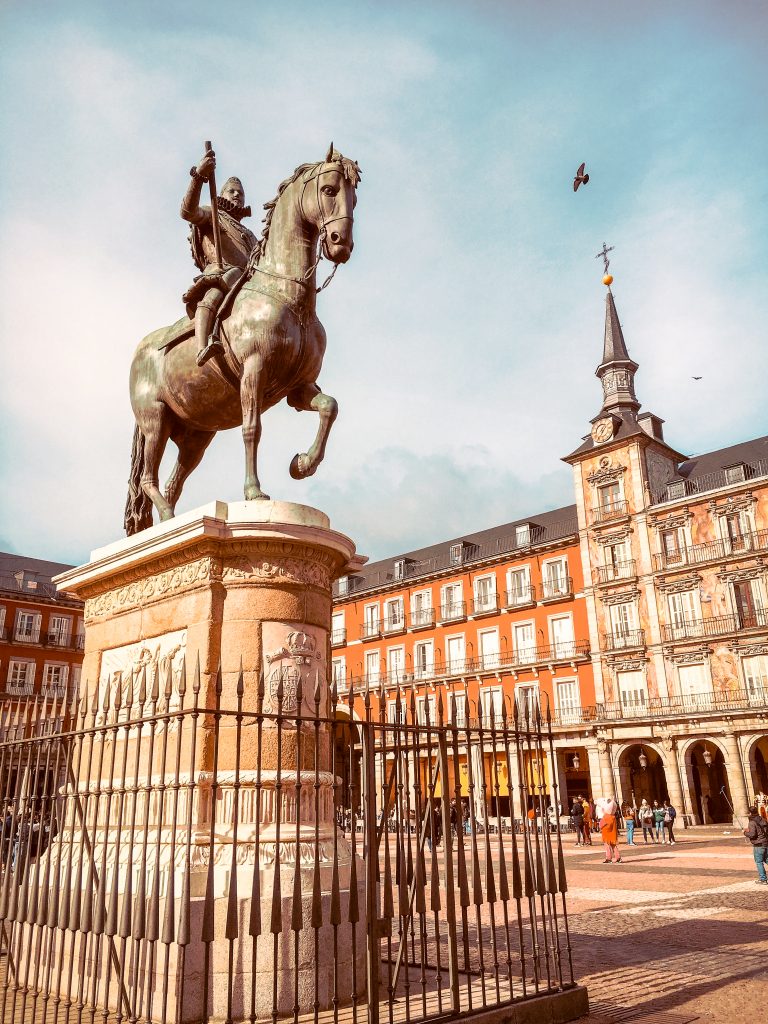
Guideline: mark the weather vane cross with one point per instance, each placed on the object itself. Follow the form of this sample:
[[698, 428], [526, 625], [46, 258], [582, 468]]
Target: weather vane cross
[[604, 253]]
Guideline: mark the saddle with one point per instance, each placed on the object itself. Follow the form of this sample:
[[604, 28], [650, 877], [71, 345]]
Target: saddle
[[185, 327]]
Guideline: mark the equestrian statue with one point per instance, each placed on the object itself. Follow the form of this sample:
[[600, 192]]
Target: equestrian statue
[[251, 315]]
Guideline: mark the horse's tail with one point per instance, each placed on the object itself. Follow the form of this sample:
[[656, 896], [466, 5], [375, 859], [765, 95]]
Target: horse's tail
[[138, 507]]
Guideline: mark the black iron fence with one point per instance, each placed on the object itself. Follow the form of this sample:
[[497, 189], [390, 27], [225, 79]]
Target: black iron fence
[[176, 852]]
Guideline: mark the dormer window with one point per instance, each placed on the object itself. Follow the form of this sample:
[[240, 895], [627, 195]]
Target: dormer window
[[400, 569], [676, 490], [735, 474], [523, 535], [343, 586], [457, 554]]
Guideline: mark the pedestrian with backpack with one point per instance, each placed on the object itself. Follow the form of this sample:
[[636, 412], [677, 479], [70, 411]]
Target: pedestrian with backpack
[[645, 814], [669, 822], [757, 833]]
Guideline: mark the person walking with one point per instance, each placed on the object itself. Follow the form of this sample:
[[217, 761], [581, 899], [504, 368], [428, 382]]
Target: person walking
[[630, 819], [757, 833], [658, 821], [577, 819], [645, 815], [586, 826], [609, 830], [669, 822]]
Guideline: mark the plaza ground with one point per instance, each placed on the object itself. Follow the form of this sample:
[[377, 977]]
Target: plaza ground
[[672, 934]]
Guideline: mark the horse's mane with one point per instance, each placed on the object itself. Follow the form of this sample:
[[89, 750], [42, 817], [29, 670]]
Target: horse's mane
[[352, 173]]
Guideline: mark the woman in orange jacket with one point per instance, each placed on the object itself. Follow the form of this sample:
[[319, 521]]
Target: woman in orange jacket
[[609, 830]]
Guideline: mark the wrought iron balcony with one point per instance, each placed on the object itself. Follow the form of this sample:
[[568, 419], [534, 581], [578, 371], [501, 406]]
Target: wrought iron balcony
[[557, 589], [22, 637], [521, 596], [624, 639], [612, 510], [423, 618], [486, 604], [716, 625], [453, 612], [370, 630], [338, 637], [713, 550], [393, 624], [618, 571], [710, 702]]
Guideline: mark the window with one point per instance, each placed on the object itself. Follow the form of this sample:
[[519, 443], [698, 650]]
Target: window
[[756, 678], [676, 490], [561, 636], [27, 627], [452, 604], [684, 610], [59, 630], [396, 712], [633, 693], [2, 619], [396, 664], [736, 529], [338, 629], [456, 554], [695, 685], [423, 659], [371, 626], [555, 578], [485, 593], [21, 676], [609, 497], [488, 640], [394, 615], [568, 700], [524, 640], [491, 701], [734, 474], [748, 601], [421, 609], [372, 666], [615, 559], [54, 677], [400, 569], [339, 673], [527, 701], [426, 710], [343, 586], [457, 709], [455, 653], [672, 546], [523, 535], [622, 623], [519, 586]]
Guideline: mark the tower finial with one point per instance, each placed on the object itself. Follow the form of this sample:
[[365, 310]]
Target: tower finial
[[607, 278]]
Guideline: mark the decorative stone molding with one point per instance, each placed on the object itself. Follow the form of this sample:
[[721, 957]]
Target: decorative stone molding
[[134, 589], [696, 657], [612, 538], [624, 664], [620, 597], [692, 582], [748, 650], [667, 740], [606, 473], [284, 563], [741, 574], [732, 504], [678, 519]]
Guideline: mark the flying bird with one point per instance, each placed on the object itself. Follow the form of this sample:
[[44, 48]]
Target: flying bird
[[580, 179], [697, 378]]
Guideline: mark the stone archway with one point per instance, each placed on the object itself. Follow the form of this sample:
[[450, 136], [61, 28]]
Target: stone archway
[[709, 789], [642, 775], [758, 764], [347, 755]]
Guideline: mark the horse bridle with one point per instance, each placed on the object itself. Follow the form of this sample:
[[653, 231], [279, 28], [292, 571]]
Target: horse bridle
[[253, 265]]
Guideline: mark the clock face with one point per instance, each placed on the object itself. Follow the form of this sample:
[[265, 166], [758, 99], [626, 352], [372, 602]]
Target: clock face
[[602, 431]]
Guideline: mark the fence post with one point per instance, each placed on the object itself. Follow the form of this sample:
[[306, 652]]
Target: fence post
[[371, 873]]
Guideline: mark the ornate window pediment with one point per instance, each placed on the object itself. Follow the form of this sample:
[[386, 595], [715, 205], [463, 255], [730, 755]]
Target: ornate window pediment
[[749, 650], [739, 575], [692, 582], [621, 597], [619, 664], [606, 473], [675, 521], [695, 657], [614, 538], [744, 501]]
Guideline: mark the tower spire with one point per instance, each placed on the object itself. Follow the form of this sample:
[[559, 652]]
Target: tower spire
[[617, 370]]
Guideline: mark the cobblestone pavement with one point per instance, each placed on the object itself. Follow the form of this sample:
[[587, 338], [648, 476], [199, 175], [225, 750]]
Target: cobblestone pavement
[[672, 934]]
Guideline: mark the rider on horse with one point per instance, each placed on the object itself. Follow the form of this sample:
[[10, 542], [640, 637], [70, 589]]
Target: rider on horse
[[205, 296]]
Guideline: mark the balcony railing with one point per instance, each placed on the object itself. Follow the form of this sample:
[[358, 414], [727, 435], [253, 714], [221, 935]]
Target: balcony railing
[[521, 596], [25, 637], [453, 612], [711, 702], [619, 571], [627, 638], [716, 625], [393, 624], [486, 604], [370, 630], [712, 550], [557, 589], [610, 511], [422, 618], [682, 488], [338, 637]]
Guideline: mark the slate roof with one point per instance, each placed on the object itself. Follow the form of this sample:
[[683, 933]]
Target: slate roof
[[35, 578]]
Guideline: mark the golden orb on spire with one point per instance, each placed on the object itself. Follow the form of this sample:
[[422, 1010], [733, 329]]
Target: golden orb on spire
[[608, 280]]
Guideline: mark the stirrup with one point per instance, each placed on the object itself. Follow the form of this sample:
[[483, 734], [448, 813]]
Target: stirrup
[[213, 348]]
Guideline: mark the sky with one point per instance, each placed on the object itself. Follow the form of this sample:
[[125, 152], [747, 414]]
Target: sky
[[464, 332]]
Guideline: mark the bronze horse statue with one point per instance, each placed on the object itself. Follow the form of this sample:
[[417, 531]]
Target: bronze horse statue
[[273, 341]]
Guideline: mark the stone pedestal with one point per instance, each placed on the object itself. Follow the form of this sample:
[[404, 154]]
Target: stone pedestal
[[244, 588]]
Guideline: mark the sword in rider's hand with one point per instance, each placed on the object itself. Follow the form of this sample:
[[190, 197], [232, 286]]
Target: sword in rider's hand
[[214, 209]]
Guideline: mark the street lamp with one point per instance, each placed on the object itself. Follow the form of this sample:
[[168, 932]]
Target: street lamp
[[575, 762], [643, 759], [707, 755]]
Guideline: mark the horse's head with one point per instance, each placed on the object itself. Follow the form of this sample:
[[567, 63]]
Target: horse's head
[[328, 200]]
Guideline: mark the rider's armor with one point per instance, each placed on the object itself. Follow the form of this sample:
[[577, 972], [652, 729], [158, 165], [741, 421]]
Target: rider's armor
[[204, 297]]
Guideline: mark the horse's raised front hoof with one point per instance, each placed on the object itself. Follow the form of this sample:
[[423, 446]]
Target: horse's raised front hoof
[[300, 467]]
